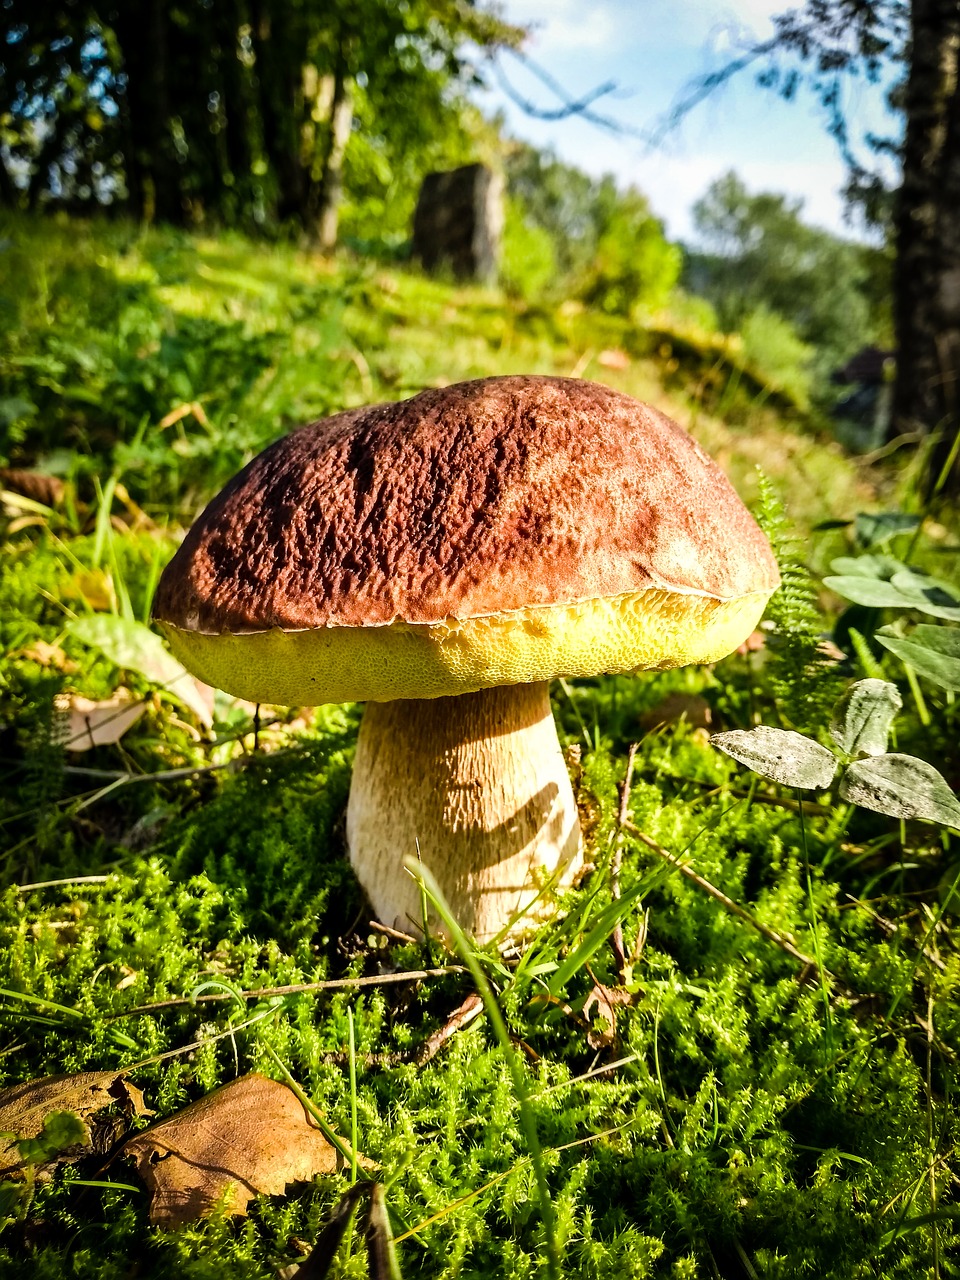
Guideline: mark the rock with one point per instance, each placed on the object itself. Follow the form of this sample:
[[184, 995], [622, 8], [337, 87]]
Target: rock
[[459, 221]]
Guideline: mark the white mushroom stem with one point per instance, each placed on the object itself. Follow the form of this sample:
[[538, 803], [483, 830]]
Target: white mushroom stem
[[479, 785]]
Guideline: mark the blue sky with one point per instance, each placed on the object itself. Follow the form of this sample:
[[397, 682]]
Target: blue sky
[[652, 48]]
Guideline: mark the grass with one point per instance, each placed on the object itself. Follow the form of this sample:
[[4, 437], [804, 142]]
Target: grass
[[751, 1116]]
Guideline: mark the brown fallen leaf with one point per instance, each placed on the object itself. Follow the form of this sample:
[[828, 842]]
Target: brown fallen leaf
[[614, 358], [600, 1010], [84, 724], [37, 485], [696, 711], [252, 1137], [47, 655], [25, 1107]]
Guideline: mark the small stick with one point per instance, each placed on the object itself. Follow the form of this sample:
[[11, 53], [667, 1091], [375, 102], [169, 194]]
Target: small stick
[[758, 797], [617, 858], [889, 928], [727, 903], [293, 989], [51, 884], [397, 934], [471, 1008]]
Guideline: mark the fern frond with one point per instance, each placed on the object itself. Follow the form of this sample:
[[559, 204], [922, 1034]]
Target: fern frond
[[804, 682]]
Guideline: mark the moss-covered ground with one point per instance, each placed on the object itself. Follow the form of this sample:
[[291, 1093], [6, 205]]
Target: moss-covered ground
[[752, 1115]]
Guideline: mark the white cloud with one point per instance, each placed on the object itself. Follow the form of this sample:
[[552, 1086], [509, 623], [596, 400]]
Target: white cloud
[[559, 26], [673, 184]]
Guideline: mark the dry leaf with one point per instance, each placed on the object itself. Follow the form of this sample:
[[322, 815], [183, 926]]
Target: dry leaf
[[613, 359], [84, 724], [93, 587], [600, 1010], [690, 707], [47, 655], [37, 485], [252, 1137], [25, 1107]]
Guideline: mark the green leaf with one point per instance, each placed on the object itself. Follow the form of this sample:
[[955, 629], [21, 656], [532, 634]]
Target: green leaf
[[883, 567], [933, 652], [928, 594], [863, 716], [780, 754], [873, 530], [61, 1129], [872, 592], [134, 647], [902, 787]]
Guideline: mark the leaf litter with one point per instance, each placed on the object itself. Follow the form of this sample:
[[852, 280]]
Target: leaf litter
[[26, 1109], [250, 1137]]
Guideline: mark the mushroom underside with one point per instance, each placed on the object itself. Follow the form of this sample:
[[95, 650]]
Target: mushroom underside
[[477, 787]]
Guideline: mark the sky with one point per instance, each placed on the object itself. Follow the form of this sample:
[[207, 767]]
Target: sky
[[651, 49]]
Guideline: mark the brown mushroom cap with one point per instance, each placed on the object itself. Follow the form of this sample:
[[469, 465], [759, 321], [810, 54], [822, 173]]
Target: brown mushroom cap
[[515, 504]]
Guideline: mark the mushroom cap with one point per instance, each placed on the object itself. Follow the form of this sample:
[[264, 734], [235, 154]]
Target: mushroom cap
[[493, 532]]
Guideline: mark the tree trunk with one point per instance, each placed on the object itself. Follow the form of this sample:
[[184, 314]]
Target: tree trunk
[[152, 169], [278, 75], [9, 192], [330, 188], [927, 228], [948, 298]]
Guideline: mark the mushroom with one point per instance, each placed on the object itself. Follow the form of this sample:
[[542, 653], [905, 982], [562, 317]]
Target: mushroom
[[442, 559]]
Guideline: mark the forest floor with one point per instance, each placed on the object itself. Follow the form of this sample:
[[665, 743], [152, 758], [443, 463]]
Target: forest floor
[[766, 1088]]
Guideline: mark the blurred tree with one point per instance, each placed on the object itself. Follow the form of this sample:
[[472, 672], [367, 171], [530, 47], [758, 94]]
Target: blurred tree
[[760, 254], [634, 263], [915, 46], [557, 198], [239, 109], [610, 249]]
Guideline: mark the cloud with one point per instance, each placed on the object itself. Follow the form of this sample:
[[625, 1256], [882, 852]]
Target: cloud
[[674, 184], [559, 26]]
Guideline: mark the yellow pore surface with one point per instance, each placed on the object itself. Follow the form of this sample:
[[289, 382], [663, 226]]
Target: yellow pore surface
[[641, 630]]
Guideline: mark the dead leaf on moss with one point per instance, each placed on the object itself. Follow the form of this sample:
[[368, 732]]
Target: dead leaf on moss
[[600, 1010], [252, 1137], [24, 1109], [690, 707], [84, 724], [613, 358], [39, 486], [47, 655]]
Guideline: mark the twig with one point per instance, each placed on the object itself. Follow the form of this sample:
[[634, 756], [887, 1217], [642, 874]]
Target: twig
[[198, 1044], [727, 903], [758, 797], [292, 989], [471, 1008], [397, 934], [617, 858], [51, 884], [889, 928], [164, 775]]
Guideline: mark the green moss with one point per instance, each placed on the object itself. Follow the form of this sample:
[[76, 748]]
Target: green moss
[[735, 1124]]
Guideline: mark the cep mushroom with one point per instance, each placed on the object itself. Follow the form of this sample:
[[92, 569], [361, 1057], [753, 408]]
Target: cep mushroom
[[442, 559]]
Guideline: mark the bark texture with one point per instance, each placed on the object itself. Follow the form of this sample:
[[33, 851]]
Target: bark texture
[[479, 784], [927, 275]]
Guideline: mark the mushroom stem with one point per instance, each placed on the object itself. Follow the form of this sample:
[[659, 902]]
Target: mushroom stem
[[479, 785]]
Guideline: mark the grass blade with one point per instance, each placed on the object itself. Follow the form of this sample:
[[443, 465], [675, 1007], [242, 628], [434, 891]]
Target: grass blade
[[527, 1119]]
